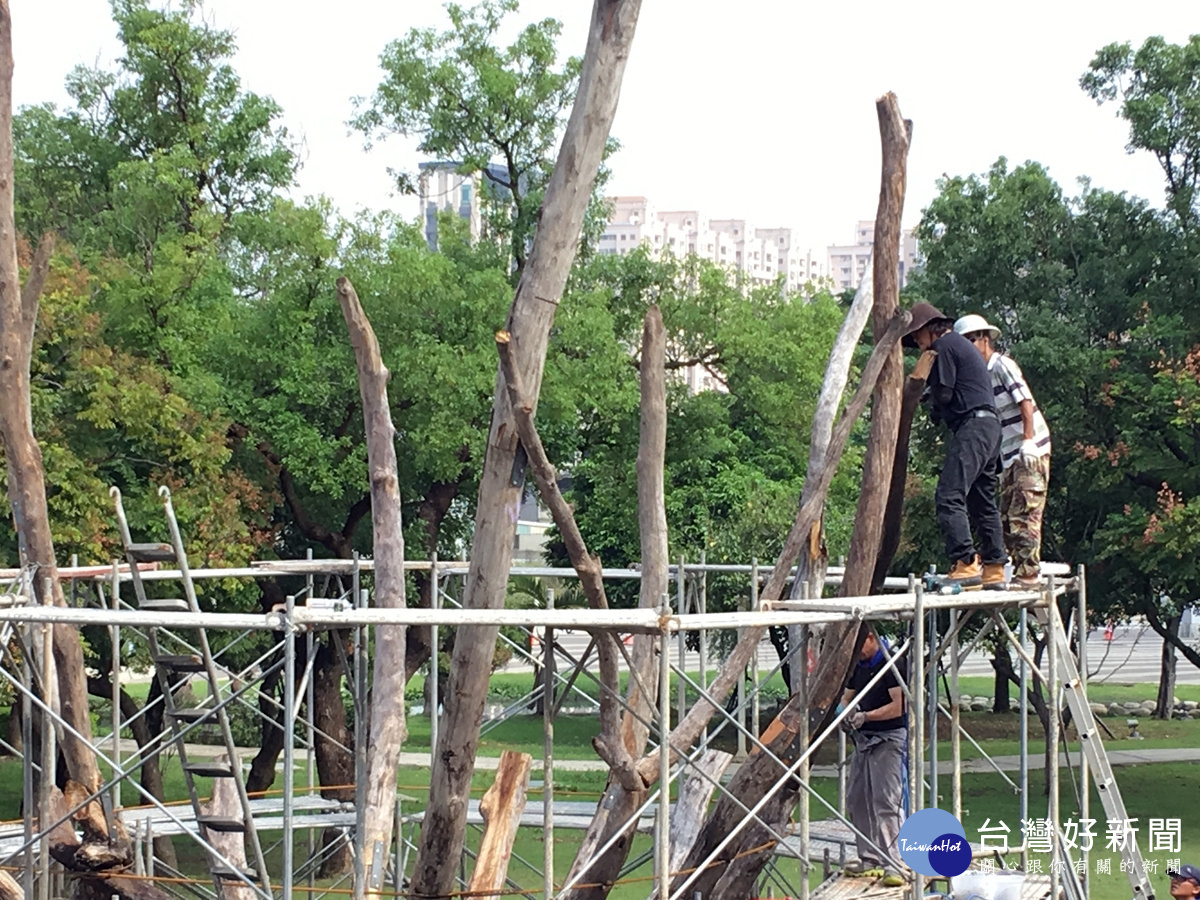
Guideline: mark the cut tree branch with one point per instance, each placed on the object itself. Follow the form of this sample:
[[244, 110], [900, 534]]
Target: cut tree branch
[[607, 744]]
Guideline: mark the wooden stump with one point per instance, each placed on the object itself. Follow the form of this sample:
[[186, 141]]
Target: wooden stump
[[501, 808]]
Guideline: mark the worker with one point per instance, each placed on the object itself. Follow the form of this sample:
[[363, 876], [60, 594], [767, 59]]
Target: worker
[[1024, 452], [1185, 882], [960, 393], [876, 789]]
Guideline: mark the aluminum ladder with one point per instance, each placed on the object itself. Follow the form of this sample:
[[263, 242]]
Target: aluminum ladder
[[1092, 746], [174, 671]]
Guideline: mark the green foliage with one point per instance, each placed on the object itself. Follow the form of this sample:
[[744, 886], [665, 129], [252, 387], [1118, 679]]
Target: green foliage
[[472, 102], [1156, 88], [166, 138], [735, 457]]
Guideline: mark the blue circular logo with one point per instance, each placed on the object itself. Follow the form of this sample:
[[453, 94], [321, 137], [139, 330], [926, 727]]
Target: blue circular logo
[[934, 843]]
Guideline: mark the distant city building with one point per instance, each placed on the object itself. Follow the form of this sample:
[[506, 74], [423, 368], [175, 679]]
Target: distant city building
[[848, 262], [761, 254], [441, 187]]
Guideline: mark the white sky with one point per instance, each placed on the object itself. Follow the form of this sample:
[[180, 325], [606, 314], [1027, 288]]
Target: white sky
[[761, 109]]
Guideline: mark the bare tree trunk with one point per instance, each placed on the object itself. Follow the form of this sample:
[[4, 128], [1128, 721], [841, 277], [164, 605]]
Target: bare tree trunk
[[538, 293], [885, 411], [224, 804], [744, 857], [23, 456], [810, 568], [388, 728], [334, 751], [615, 814]]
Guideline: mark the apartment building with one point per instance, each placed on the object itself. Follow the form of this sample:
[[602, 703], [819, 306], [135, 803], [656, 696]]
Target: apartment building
[[761, 254], [848, 262]]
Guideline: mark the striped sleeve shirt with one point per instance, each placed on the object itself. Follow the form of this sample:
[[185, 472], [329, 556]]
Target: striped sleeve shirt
[[1010, 389]]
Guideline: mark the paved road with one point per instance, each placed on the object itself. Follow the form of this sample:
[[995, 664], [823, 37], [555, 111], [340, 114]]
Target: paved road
[[1132, 657]]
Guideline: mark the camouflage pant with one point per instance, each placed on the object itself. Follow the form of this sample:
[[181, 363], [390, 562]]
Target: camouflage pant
[[1023, 487]]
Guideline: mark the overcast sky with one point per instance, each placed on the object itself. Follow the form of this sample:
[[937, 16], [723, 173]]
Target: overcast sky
[[761, 109]]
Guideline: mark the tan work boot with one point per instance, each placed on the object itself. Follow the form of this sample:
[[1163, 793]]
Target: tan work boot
[[967, 573], [993, 577]]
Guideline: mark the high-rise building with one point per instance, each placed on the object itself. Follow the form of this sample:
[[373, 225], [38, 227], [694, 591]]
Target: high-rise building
[[848, 262], [443, 187]]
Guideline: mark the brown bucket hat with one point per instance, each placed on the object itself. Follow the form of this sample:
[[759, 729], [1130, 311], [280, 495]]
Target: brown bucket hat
[[922, 314]]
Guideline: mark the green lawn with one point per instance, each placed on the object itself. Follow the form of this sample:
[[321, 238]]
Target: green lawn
[[1151, 790]]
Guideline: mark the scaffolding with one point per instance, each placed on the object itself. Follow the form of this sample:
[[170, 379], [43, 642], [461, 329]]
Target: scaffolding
[[334, 600]]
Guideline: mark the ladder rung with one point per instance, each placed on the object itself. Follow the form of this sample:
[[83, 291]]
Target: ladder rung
[[164, 604], [150, 552], [185, 663], [229, 874], [193, 715], [209, 769], [221, 823]]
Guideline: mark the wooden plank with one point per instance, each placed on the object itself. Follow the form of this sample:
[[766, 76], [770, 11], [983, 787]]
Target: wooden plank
[[501, 807]]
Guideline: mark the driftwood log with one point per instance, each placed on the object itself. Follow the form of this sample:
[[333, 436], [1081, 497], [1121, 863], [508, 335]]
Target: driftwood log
[[502, 479], [501, 807], [388, 727]]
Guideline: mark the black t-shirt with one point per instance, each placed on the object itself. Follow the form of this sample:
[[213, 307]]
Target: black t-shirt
[[879, 695], [960, 367]]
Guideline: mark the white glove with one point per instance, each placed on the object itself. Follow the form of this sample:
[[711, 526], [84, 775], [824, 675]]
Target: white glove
[[857, 720], [1029, 450]]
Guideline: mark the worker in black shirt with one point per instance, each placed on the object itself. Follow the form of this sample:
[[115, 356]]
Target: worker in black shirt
[[875, 794], [959, 389]]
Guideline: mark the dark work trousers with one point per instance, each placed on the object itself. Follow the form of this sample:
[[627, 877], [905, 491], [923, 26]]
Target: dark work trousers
[[966, 492]]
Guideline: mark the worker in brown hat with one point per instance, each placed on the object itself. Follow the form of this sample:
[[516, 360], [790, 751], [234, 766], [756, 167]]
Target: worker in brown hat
[[959, 389]]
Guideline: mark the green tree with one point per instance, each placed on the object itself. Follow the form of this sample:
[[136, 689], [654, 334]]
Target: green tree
[[1156, 87], [473, 102], [736, 456]]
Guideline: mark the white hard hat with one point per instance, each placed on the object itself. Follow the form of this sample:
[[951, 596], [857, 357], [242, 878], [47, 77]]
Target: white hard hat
[[973, 323]]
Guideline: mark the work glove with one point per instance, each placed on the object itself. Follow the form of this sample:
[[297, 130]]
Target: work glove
[[857, 720], [1029, 451]]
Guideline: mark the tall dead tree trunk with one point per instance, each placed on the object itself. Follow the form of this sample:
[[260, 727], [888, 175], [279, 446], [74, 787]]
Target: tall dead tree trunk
[[538, 292], [615, 814], [23, 456], [388, 728], [885, 411], [842, 640], [743, 858], [810, 568]]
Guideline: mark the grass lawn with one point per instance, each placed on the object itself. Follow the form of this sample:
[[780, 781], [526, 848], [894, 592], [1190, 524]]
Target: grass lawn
[[1149, 790]]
